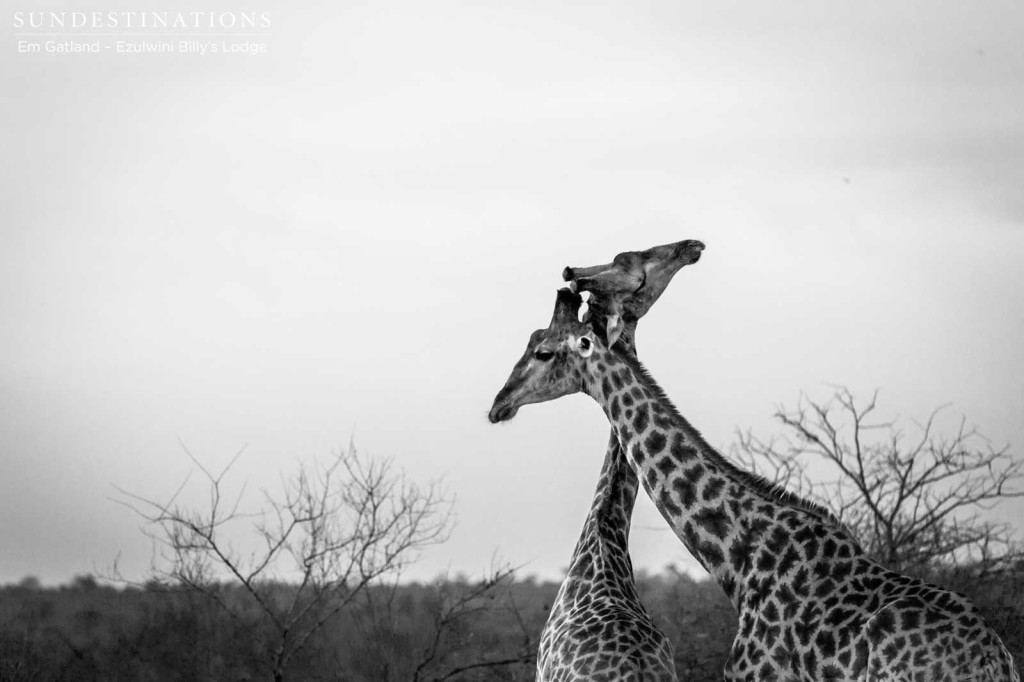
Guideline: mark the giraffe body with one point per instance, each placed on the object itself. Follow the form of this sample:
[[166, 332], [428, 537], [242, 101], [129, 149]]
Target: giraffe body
[[812, 606]]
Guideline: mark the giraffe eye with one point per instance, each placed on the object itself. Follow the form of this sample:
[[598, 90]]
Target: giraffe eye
[[586, 346], [543, 355]]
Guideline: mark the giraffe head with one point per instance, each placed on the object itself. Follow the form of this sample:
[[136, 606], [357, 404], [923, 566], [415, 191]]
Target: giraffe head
[[554, 363], [621, 292]]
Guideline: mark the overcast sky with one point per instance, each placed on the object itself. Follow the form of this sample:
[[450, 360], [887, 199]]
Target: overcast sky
[[354, 234]]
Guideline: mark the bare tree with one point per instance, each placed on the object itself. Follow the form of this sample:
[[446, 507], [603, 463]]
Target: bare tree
[[913, 499], [458, 602], [457, 628], [335, 530]]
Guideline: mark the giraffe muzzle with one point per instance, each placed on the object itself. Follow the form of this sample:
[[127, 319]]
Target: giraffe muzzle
[[501, 412], [690, 249]]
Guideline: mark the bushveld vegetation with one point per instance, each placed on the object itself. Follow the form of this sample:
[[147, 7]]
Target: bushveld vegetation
[[89, 631], [323, 599]]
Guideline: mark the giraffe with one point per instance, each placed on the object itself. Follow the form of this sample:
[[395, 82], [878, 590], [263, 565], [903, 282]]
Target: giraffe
[[811, 605], [597, 627]]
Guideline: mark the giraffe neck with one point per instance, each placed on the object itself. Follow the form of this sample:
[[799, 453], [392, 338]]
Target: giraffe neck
[[600, 565], [615, 496], [712, 506], [601, 557], [612, 509]]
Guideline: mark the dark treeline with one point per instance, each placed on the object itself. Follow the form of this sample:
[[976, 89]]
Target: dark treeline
[[406, 633]]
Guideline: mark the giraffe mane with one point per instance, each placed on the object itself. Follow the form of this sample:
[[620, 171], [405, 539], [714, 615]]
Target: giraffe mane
[[769, 489]]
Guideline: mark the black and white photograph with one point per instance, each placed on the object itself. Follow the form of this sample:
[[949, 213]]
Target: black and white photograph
[[329, 348]]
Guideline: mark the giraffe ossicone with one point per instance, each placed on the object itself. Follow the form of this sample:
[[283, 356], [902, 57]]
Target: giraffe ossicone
[[811, 605]]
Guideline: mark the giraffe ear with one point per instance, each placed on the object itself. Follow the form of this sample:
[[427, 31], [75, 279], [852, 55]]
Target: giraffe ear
[[613, 329]]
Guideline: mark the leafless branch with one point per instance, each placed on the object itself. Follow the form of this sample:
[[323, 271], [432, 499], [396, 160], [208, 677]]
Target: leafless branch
[[335, 530], [911, 502]]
